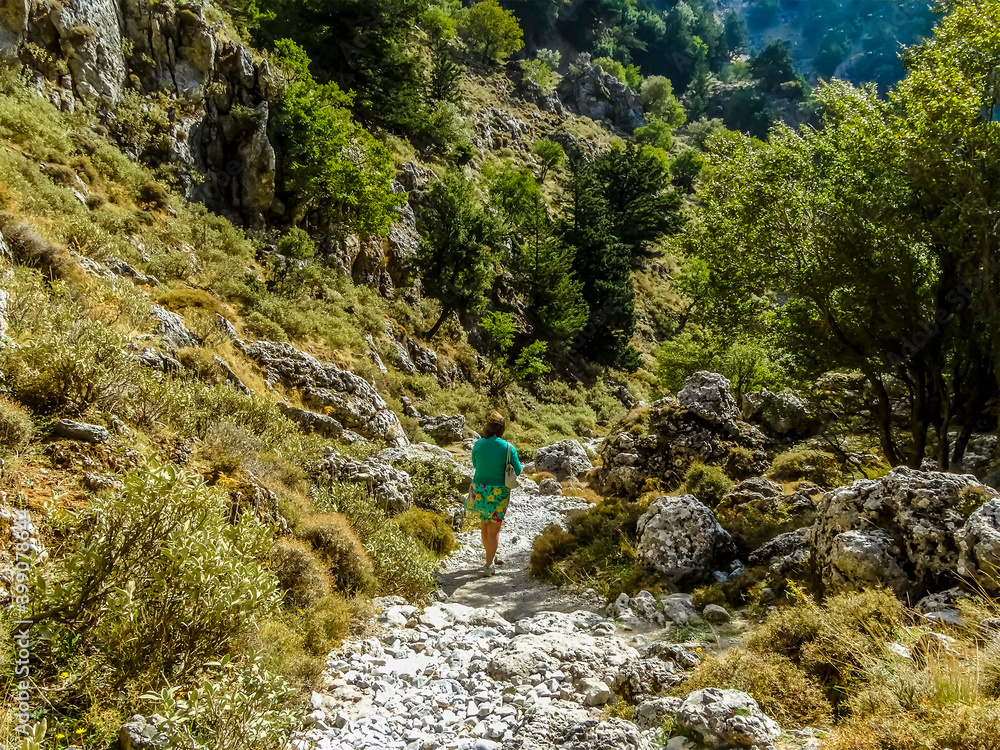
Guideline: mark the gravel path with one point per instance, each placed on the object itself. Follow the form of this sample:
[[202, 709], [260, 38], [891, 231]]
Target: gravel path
[[512, 591], [503, 662]]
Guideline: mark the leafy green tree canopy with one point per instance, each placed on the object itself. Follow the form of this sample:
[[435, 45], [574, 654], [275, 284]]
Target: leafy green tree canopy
[[333, 166], [658, 99], [492, 30], [457, 253]]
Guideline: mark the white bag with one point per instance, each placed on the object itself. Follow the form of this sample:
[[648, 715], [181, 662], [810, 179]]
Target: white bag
[[509, 475]]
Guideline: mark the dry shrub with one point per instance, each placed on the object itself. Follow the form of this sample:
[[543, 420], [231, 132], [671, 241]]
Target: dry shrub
[[16, 427], [31, 250], [433, 530], [201, 363], [153, 195], [178, 300], [837, 643], [339, 548], [61, 174], [955, 726], [300, 574], [783, 689]]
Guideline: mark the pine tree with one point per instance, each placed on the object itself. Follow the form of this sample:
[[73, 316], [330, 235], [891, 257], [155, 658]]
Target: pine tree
[[445, 72], [456, 256]]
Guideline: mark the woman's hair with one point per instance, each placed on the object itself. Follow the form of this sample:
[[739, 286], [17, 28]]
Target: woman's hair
[[495, 425]]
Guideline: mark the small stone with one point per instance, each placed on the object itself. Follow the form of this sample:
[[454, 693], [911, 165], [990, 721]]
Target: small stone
[[715, 615], [88, 433]]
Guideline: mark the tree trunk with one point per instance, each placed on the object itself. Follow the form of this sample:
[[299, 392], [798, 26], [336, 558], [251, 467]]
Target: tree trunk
[[434, 328], [883, 420]]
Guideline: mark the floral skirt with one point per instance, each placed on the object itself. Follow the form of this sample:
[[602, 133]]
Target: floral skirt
[[488, 501]]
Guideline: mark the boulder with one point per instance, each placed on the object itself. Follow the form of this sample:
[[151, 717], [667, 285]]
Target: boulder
[[86, 433], [907, 531], [311, 421], [171, 327], [387, 484], [783, 414], [710, 396], [595, 692], [773, 511], [446, 428], [140, 733], [549, 486], [680, 538], [650, 714], [566, 459], [157, 360], [95, 57], [662, 440], [980, 545], [785, 556], [351, 399], [589, 656], [591, 92], [726, 718], [13, 27], [678, 608], [613, 734], [715, 615]]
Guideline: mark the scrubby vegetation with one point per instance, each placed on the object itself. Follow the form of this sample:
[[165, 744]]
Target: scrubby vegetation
[[597, 550]]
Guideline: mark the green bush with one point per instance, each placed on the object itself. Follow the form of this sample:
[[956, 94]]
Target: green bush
[[433, 530], [707, 483], [154, 581], [16, 427], [402, 565], [339, 548], [71, 370], [436, 484], [598, 549], [263, 327], [818, 467], [243, 706]]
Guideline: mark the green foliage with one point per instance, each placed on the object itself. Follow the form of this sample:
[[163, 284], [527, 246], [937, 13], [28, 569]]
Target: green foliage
[[686, 168], [16, 427], [243, 705], [616, 207], [455, 260], [160, 557], [598, 549], [818, 467], [542, 265], [538, 73], [334, 166], [433, 530], [492, 31], [550, 156], [70, 366], [627, 74], [707, 483], [374, 52], [501, 373], [402, 564], [445, 73], [775, 70], [436, 484], [658, 99], [656, 133]]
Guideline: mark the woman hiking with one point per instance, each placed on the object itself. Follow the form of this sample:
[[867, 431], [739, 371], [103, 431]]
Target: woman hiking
[[489, 493]]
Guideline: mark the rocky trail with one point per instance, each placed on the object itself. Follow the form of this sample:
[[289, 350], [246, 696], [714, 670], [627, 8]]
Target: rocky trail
[[510, 662]]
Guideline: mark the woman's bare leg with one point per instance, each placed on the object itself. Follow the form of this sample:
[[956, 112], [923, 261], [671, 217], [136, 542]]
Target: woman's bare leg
[[491, 539]]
